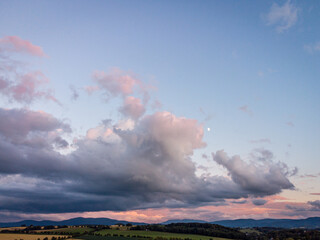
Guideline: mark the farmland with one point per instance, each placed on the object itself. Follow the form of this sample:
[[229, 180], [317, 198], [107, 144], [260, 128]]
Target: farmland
[[18, 236], [152, 234], [71, 231]]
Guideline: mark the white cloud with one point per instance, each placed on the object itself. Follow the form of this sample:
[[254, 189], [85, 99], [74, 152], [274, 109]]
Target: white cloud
[[312, 48], [283, 17]]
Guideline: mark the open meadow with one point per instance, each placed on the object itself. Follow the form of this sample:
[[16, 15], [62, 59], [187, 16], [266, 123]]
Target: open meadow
[[153, 234], [71, 231]]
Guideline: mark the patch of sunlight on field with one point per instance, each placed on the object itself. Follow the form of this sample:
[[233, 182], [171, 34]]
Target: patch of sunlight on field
[[154, 234], [18, 236], [12, 228]]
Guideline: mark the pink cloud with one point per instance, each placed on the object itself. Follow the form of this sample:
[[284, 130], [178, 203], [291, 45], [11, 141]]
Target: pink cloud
[[27, 88], [178, 134], [116, 83], [132, 107], [290, 124], [245, 109], [16, 44]]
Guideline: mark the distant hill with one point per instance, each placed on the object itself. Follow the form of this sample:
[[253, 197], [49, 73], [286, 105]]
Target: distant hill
[[313, 222], [242, 223], [183, 221], [69, 222]]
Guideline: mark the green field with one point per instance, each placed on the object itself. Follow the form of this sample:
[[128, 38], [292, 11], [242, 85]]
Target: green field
[[154, 234], [72, 230]]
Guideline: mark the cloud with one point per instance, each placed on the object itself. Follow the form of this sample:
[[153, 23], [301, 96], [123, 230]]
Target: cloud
[[16, 83], [24, 126], [290, 124], [312, 48], [16, 44], [261, 176], [74, 93], [132, 107], [239, 202], [128, 165], [115, 83], [259, 202], [156, 105], [26, 88], [124, 84], [141, 161], [283, 17], [262, 140], [304, 208], [315, 204], [245, 109]]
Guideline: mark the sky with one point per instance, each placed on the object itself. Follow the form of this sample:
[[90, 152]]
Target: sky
[[155, 110]]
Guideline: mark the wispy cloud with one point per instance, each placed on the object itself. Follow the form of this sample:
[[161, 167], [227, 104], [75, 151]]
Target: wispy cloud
[[312, 48], [290, 124], [17, 83], [262, 140], [16, 44], [282, 17], [74, 92], [245, 109]]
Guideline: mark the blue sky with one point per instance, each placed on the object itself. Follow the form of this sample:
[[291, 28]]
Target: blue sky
[[247, 70]]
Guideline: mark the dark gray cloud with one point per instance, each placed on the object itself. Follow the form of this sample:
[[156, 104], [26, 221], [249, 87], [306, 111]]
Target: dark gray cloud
[[315, 204], [260, 177], [305, 209], [239, 202], [259, 202], [119, 167]]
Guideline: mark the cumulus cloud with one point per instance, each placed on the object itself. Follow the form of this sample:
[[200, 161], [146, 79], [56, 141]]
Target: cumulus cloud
[[132, 107], [127, 165], [140, 161], [283, 17], [261, 176], [24, 126], [16, 44]]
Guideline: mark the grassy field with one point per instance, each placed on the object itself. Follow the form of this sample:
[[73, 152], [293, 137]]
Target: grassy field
[[154, 234], [12, 228], [17, 236], [72, 230]]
